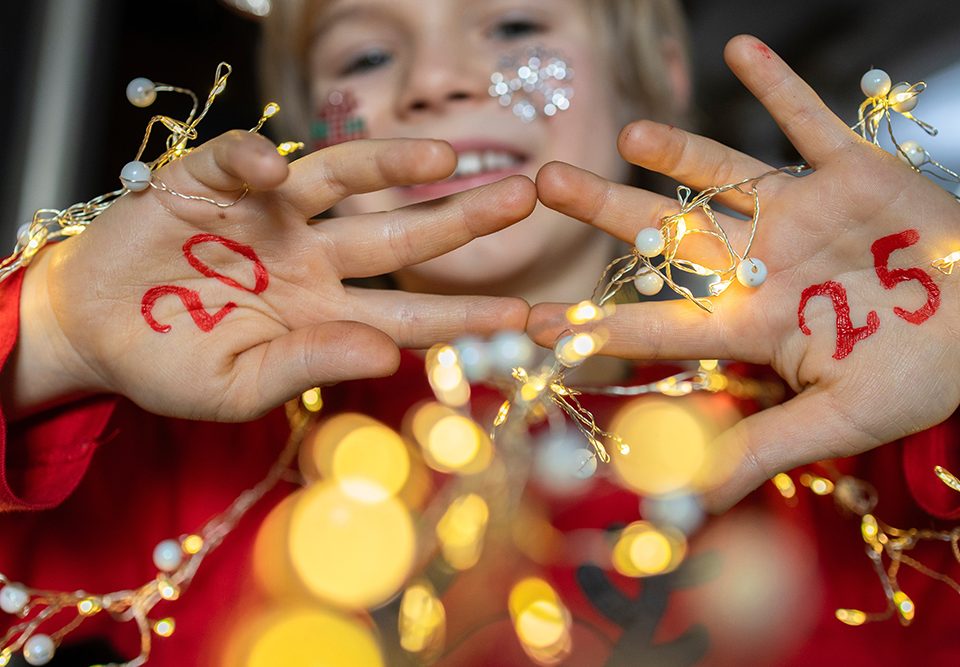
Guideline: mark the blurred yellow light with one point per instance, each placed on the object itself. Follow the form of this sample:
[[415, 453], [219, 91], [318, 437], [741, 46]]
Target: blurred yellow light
[[313, 637], [709, 364], [312, 400], [167, 589], [368, 459], [88, 606], [164, 627], [670, 387], [422, 621], [272, 566], [869, 528], [271, 110], [785, 485], [584, 312], [447, 357], [668, 446], [904, 605], [584, 344], [5, 657], [457, 444], [370, 463], [851, 616], [288, 147], [350, 553], [532, 389], [192, 544], [642, 550], [502, 413], [540, 619], [461, 531], [818, 485]]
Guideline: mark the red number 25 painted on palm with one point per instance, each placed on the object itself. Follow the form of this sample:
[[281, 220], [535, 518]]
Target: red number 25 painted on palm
[[191, 298], [849, 335]]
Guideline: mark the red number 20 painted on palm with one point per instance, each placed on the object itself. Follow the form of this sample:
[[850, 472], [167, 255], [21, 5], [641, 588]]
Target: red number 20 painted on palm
[[191, 298], [849, 335]]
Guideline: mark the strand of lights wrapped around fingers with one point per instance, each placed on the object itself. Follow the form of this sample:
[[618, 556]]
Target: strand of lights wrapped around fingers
[[55, 224]]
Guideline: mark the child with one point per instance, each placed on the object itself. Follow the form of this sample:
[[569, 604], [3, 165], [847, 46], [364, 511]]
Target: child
[[81, 350]]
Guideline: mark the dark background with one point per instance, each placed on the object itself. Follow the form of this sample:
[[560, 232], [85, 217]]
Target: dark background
[[829, 42]]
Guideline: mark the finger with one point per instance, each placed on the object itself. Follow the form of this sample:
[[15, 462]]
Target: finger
[[695, 161], [659, 330], [620, 210], [421, 320], [234, 160], [811, 127], [380, 243], [321, 179], [316, 355], [807, 428]]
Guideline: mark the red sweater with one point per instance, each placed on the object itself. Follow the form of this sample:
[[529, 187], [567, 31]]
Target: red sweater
[[89, 489]]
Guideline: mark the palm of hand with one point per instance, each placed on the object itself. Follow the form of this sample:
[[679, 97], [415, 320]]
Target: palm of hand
[[203, 312], [854, 391]]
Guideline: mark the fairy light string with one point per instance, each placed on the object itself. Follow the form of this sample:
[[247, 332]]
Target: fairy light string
[[535, 392]]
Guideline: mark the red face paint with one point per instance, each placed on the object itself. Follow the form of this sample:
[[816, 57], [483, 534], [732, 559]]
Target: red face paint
[[890, 278], [847, 334], [191, 298], [337, 121]]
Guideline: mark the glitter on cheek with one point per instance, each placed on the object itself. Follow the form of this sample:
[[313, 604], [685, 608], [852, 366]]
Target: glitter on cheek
[[534, 82], [337, 121]]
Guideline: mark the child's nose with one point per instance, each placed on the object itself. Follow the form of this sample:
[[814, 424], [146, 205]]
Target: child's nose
[[436, 82]]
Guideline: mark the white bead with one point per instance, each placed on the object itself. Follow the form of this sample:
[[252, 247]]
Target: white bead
[[13, 598], [752, 272], [909, 101], [561, 464], [39, 650], [648, 283], [875, 83], [135, 176], [510, 349], [474, 358], [141, 92], [649, 242], [167, 555], [912, 153]]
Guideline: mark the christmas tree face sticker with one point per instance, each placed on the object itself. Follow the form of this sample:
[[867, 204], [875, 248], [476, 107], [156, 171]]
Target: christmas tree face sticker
[[337, 121]]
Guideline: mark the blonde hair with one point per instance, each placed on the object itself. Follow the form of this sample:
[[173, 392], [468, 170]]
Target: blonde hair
[[640, 38]]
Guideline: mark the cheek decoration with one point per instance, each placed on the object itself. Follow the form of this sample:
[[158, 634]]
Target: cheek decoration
[[847, 334], [337, 121], [191, 298], [533, 82]]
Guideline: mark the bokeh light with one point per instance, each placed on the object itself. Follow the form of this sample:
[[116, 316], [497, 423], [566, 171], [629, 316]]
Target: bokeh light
[[450, 442], [461, 531], [366, 458], [422, 622], [668, 446], [348, 552], [541, 620], [303, 637], [643, 550]]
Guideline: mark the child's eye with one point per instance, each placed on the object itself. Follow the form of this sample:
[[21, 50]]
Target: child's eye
[[369, 60], [515, 29]]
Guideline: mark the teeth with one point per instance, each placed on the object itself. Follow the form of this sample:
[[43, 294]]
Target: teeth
[[472, 163]]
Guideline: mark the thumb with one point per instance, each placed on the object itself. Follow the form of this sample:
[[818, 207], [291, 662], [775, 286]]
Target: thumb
[[809, 427], [316, 355]]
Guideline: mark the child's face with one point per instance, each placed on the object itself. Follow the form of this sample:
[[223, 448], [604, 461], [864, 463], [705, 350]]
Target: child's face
[[422, 69]]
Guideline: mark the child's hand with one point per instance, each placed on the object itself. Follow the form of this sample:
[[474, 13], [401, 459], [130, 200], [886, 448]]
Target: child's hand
[[200, 312], [887, 371]]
